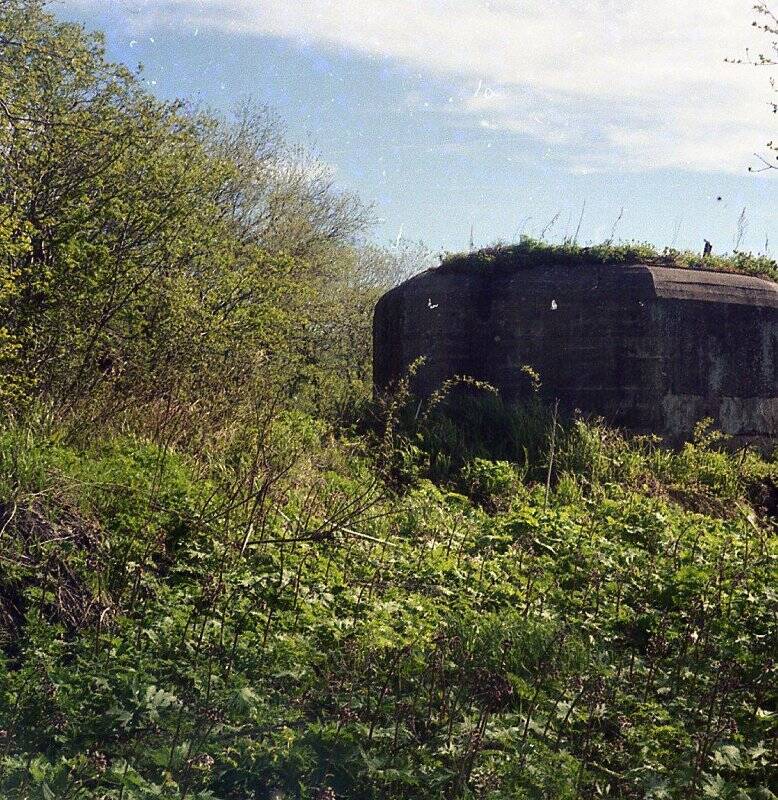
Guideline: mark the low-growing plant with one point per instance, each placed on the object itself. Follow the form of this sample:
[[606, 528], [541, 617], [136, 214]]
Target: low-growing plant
[[532, 252], [494, 484]]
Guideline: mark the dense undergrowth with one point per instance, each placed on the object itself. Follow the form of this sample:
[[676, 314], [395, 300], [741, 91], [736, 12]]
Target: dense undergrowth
[[226, 572], [281, 621]]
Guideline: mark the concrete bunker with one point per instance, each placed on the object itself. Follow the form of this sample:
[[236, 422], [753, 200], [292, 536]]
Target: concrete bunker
[[652, 348]]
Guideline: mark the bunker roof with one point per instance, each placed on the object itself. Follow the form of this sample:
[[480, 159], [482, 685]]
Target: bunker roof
[[530, 253]]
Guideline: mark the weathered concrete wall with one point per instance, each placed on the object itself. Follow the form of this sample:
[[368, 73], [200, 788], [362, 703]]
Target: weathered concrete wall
[[650, 348]]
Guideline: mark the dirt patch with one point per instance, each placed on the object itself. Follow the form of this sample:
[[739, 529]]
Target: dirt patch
[[56, 549]]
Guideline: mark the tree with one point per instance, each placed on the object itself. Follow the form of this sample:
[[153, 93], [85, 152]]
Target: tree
[[148, 251], [121, 261], [766, 22]]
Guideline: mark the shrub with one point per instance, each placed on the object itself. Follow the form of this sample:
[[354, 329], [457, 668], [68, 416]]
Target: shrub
[[492, 483]]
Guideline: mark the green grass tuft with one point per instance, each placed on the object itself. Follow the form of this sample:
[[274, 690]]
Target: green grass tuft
[[532, 252]]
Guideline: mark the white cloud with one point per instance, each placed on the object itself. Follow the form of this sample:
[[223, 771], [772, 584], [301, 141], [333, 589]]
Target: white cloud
[[628, 84]]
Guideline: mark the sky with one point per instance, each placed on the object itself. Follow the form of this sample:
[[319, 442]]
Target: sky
[[491, 118]]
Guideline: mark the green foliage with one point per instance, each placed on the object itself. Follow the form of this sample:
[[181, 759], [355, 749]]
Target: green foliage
[[469, 426], [493, 483], [154, 259], [220, 578], [273, 620], [532, 252], [471, 441]]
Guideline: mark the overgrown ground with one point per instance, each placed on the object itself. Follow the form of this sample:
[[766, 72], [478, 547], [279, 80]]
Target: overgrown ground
[[226, 572], [532, 252], [310, 616]]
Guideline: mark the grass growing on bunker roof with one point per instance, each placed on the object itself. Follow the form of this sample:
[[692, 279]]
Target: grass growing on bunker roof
[[533, 252]]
